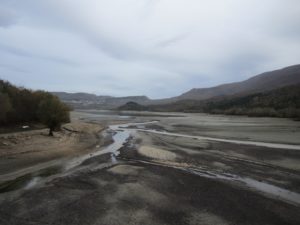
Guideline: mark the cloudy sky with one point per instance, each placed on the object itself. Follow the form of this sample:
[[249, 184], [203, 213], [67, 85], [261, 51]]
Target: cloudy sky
[[159, 48]]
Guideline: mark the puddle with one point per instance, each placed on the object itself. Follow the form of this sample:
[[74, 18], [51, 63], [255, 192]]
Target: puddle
[[113, 159], [276, 192], [32, 183], [255, 143], [271, 189], [15, 184], [28, 180]]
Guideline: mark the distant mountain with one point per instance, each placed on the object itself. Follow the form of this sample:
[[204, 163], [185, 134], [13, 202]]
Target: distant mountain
[[262, 82], [80, 96], [91, 101], [281, 102], [133, 106]]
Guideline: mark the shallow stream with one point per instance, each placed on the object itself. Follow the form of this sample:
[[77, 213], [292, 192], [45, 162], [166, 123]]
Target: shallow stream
[[121, 135]]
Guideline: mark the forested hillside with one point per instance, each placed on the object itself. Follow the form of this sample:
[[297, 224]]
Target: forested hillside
[[21, 105], [283, 102]]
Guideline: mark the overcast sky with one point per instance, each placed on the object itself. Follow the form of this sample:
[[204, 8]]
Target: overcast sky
[[158, 48]]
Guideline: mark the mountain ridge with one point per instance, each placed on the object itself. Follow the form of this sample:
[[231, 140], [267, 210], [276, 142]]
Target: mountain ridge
[[262, 82], [259, 83]]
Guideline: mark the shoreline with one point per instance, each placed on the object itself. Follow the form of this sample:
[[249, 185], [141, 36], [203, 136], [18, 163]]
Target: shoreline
[[27, 151]]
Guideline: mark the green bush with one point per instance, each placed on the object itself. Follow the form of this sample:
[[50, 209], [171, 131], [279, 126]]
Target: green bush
[[20, 105]]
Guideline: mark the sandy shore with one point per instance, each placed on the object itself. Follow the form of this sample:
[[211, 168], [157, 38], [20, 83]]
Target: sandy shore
[[29, 149]]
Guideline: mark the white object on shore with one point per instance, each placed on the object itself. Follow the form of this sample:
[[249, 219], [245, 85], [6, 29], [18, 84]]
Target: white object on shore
[[25, 127]]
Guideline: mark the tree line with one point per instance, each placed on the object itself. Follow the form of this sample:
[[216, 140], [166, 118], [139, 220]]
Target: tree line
[[282, 102], [20, 105]]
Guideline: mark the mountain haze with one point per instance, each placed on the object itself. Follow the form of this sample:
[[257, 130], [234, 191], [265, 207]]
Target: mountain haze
[[85, 100], [260, 83]]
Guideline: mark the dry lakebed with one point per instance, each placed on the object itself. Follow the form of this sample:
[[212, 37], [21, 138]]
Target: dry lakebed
[[110, 168]]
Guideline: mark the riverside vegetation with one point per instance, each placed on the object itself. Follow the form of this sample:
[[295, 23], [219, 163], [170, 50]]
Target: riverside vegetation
[[21, 105], [282, 102]]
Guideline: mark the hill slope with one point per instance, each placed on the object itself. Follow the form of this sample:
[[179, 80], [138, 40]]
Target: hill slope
[[132, 106], [91, 101], [281, 102], [259, 83]]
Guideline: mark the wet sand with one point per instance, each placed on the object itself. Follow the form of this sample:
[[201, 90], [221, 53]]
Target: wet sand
[[149, 177]]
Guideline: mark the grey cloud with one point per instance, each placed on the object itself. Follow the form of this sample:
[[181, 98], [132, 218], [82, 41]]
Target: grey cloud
[[23, 53], [7, 17], [13, 68], [113, 48], [243, 64], [172, 40], [154, 47]]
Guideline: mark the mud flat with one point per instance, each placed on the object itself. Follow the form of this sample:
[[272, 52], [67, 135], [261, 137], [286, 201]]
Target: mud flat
[[160, 169]]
